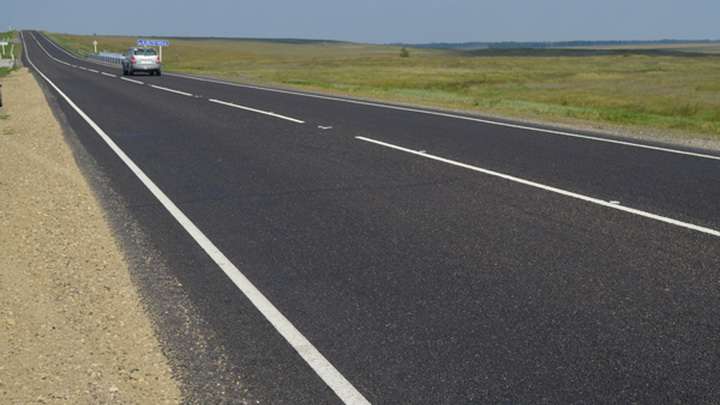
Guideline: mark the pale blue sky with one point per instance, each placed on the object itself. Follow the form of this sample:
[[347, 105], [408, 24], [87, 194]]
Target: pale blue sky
[[375, 20]]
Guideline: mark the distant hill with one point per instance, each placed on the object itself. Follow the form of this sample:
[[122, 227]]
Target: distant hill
[[296, 41], [545, 45]]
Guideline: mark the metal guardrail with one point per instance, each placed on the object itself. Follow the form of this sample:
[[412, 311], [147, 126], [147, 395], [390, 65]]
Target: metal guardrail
[[108, 57]]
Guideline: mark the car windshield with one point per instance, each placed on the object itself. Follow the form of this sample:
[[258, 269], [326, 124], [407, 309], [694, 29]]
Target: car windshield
[[146, 52]]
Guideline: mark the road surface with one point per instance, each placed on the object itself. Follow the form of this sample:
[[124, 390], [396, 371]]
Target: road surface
[[346, 251]]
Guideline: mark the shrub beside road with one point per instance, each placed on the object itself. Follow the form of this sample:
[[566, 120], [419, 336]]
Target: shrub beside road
[[16, 50]]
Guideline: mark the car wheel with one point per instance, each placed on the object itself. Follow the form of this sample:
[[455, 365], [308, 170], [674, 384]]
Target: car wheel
[[157, 72]]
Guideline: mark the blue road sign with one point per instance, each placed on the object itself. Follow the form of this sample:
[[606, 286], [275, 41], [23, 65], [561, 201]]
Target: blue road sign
[[153, 42]]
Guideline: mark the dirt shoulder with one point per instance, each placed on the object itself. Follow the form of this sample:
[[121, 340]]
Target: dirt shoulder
[[72, 327]]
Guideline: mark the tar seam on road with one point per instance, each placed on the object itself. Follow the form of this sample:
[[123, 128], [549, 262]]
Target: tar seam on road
[[609, 204], [324, 369], [272, 114], [171, 90]]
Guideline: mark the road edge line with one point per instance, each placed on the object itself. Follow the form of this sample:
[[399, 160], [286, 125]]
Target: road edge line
[[312, 356], [454, 116]]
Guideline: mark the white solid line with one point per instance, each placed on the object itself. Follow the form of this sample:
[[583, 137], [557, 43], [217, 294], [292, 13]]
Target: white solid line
[[107, 74], [131, 80], [530, 183], [54, 58], [329, 374], [55, 45], [455, 116], [272, 114], [96, 62], [171, 90]]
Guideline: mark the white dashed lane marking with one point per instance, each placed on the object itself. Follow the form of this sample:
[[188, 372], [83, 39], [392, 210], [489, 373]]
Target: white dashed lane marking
[[171, 90], [255, 110], [609, 204], [131, 80]]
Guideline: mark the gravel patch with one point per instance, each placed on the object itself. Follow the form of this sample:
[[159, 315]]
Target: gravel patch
[[72, 327]]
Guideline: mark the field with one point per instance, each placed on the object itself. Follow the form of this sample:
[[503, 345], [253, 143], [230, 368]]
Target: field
[[654, 91]]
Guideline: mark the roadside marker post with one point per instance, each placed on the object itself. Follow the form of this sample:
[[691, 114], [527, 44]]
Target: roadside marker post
[[95, 46]]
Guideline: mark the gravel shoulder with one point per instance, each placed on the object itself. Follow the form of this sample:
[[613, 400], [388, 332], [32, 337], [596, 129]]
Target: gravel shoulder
[[72, 326]]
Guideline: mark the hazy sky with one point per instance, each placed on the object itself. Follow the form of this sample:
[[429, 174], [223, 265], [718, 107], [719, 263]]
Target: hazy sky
[[375, 20]]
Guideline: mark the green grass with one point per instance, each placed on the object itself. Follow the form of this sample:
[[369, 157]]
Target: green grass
[[674, 92], [17, 51]]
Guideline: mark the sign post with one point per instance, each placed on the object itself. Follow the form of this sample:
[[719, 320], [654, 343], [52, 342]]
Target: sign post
[[154, 42], [95, 45]]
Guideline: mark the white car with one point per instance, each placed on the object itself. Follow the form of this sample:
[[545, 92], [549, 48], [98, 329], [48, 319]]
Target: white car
[[141, 60]]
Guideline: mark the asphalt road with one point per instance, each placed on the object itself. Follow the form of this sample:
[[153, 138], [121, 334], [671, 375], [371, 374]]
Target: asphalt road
[[428, 258]]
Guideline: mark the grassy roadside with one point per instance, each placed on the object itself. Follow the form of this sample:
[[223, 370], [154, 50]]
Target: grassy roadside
[[656, 93], [17, 51]]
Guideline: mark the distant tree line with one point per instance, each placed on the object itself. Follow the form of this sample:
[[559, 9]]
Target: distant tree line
[[551, 44]]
